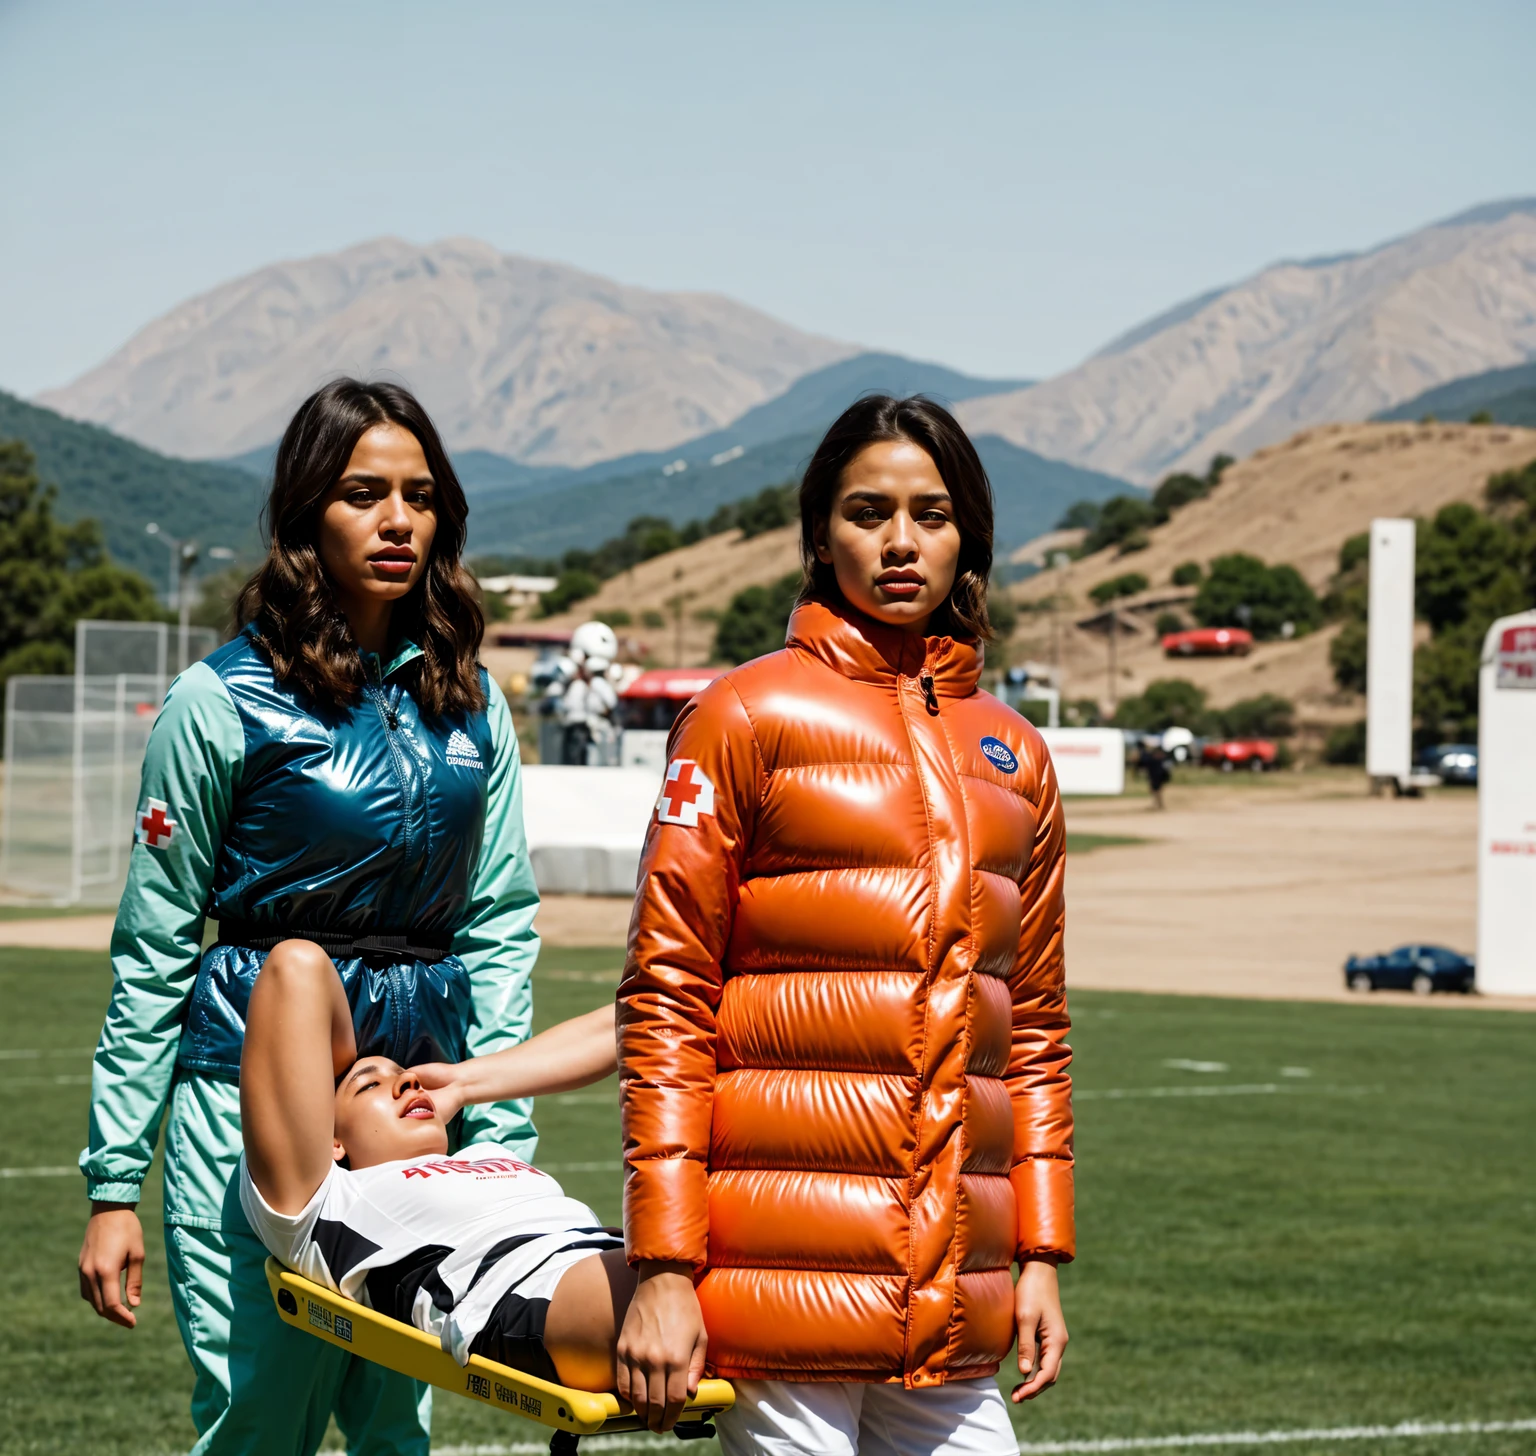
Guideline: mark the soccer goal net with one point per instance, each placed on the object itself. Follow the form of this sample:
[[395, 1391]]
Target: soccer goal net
[[74, 747]]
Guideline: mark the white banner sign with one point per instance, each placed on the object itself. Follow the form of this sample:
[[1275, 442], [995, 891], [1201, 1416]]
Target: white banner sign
[[1514, 662], [1087, 760]]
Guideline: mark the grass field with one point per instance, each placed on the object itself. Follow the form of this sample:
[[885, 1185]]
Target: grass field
[[1292, 1217]]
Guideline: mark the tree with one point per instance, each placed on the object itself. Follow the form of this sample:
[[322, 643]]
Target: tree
[[1167, 702], [1241, 591], [51, 575], [574, 585], [1121, 519], [1266, 716], [1187, 573], [1001, 611], [1125, 585], [1081, 515], [754, 622], [1346, 653]]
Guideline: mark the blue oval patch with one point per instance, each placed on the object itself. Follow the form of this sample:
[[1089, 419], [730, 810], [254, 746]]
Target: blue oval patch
[[999, 755]]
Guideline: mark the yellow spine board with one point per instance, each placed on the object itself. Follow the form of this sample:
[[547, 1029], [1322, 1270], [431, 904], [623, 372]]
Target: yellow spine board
[[403, 1348]]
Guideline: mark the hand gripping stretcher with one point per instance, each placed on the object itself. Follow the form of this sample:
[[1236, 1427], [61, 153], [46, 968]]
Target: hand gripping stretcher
[[402, 1347]]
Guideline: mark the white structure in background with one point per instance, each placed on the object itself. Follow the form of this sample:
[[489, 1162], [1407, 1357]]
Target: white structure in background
[[517, 591], [586, 826], [1087, 760], [74, 748], [1506, 809], [1389, 654]]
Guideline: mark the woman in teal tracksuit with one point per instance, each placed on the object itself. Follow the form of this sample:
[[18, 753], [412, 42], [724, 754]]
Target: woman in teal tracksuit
[[341, 771]]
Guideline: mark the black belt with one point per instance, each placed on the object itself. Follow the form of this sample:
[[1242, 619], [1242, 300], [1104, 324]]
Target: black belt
[[413, 945]]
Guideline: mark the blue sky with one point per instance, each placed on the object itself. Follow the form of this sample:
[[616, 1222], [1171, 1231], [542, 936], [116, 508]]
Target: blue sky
[[1001, 187]]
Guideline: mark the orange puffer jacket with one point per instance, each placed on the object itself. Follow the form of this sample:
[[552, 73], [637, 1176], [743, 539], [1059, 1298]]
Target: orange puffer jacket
[[842, 1021]]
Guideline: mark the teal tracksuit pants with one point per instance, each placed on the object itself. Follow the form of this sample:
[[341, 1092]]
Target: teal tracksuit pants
[[262, 1388]]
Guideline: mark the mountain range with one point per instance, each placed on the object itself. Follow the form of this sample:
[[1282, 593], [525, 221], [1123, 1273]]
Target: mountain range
[[1338, 338], [535, 360], [572, 403]]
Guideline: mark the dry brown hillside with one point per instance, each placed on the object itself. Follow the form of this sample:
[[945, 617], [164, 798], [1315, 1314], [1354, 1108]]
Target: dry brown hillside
[[701, 578], [1294, 502]]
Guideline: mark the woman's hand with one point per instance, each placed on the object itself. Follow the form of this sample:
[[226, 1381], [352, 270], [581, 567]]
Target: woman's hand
[[660, 1357], [447, 1083], [113, 1247], [1042, 1327]]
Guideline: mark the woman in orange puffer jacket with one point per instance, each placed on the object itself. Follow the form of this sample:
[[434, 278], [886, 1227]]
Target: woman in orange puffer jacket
[[846, 1107]]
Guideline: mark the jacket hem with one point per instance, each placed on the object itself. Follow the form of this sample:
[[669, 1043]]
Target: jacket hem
[[865, 1377], [113, 1190]]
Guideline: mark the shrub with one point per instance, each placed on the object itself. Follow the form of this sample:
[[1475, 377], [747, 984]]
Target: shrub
[[1480, 417], [651, 618], [618, 617], [1345, 744], [1241, 591], [1178, 490], [1168, 622], [1187, 573], [1125, 585], [754, 622], [1082, 713]]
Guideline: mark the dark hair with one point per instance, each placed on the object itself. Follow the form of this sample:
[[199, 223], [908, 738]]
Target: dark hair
[[290, 597], [932, 428]]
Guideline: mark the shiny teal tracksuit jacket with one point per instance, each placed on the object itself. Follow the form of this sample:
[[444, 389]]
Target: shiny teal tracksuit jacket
[[262, 810]]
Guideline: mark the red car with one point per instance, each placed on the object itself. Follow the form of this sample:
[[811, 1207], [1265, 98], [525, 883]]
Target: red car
[[1227, 754], [1209, 642]]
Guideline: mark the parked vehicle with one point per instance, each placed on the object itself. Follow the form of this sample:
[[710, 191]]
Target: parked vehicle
[[1256, 754], [1421, 969], [1453, 763], [1209, 642]]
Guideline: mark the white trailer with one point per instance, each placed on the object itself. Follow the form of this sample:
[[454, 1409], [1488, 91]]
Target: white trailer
[[1506, 809]]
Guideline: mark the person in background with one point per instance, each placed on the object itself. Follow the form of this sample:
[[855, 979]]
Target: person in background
[[842, 1023], [343, 772]]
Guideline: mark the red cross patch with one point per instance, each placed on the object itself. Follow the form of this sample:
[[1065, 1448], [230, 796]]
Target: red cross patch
[[155, 826], [686, 793]]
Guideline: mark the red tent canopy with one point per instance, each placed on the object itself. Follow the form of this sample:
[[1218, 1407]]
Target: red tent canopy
[[676, 683]]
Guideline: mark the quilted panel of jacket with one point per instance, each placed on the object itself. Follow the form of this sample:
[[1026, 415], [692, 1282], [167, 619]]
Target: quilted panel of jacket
[[789, 1220], [801, 1019], [851, 1122]]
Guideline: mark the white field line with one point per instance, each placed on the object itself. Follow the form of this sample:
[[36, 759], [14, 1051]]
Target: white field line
[[38, 1172], [1402, 1431], [31, 1054], [1242, 1089], [70, 1079]]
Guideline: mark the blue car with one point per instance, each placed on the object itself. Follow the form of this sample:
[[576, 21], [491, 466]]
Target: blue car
[[1421, 969], [1456, 763]]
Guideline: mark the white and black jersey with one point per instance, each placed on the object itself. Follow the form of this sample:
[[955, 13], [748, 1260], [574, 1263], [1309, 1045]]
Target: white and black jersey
[[467, 1248]]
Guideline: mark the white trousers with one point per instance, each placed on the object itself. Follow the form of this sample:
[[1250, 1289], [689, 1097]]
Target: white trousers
[[855, 1418]]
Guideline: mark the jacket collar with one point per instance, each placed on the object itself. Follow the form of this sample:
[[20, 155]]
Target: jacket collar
[[868, 651], [404, 651]]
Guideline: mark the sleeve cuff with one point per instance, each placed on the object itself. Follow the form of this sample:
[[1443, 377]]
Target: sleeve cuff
[[99, 1190], [1043, 1190], [666, 1211]]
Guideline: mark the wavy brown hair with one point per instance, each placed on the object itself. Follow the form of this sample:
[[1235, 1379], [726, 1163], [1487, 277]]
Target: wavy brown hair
[[290, 599], [933, 429]]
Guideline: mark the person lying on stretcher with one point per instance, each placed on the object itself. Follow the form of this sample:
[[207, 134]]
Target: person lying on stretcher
[[347, 1180]]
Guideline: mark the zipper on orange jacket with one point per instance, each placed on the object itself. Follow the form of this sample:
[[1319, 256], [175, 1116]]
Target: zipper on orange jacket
[[929, 696]]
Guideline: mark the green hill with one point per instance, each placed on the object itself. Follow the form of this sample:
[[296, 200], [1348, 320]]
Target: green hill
[[125, 486], [1031, 491], [1509, 395]]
